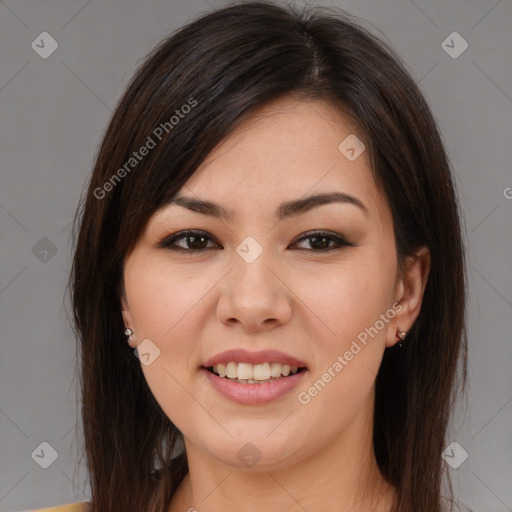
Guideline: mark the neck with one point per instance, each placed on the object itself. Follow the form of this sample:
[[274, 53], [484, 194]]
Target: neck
[[342, 477]]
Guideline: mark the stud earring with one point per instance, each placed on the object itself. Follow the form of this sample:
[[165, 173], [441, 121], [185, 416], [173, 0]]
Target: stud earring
[[129, 333], [401, 336]]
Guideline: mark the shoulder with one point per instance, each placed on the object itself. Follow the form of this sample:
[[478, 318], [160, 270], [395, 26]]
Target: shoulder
[[82, 506]]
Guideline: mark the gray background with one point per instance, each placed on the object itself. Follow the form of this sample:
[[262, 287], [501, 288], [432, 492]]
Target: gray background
[[53, 114]]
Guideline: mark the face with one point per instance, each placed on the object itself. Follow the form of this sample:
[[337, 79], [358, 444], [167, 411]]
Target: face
[[318, 284]]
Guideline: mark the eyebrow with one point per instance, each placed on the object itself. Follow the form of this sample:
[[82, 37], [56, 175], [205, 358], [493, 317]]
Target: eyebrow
[[284, 211]]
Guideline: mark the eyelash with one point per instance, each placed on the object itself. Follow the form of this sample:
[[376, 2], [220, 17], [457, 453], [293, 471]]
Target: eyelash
[[168, 242]]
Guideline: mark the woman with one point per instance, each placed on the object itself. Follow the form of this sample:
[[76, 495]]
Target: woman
[[269, 273]]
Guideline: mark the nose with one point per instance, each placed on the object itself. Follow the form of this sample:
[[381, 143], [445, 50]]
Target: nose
[[255, 296]]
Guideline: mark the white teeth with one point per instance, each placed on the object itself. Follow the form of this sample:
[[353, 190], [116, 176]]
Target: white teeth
[[231, 370], [221, 369], [275, 370], [254, 373], [244, 371], [261, 371]]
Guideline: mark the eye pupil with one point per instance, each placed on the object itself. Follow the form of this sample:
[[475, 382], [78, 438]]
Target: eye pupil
[[315, 239], [193, 239]]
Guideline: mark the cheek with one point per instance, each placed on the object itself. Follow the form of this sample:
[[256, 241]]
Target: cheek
[[161, 304], [349, 311], [346, 298], [348, 354], [161, 297]]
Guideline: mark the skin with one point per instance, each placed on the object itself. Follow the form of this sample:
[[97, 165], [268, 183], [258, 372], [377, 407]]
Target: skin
[[294, 297]]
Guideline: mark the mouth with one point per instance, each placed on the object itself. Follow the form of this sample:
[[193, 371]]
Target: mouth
[[247, 373], [253, 385]]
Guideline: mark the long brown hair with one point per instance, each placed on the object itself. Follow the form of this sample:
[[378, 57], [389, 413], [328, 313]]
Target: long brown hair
[[186, 97]]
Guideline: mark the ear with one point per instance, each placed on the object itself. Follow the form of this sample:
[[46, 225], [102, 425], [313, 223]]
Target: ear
[[127, 319], [409, 293]]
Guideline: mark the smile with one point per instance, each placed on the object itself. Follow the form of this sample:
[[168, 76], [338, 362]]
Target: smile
[[248, 373], [253, 390]]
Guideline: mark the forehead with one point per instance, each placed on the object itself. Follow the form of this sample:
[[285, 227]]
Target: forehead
[[288, 149]]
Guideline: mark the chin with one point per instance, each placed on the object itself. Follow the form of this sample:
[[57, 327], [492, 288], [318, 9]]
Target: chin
[[256, 453]]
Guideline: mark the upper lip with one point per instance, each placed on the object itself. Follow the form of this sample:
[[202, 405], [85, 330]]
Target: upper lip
[[241, 355]]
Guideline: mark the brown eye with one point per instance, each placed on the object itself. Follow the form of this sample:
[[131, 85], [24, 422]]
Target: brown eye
[[319, 241], [194, 241], [197, 241]]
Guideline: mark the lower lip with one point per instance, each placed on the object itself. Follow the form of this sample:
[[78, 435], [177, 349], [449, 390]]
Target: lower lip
[[254, 394]]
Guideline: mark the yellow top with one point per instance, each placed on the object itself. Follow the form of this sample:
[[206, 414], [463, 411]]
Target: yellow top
[[82, 506]]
